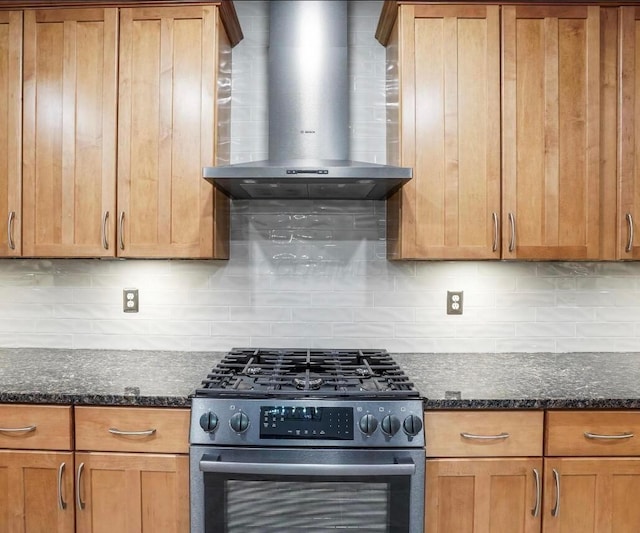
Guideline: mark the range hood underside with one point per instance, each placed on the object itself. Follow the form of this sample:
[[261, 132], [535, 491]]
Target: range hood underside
[[324, 179]]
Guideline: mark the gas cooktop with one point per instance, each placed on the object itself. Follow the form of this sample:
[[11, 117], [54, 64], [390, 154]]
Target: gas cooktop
[[304, 373]]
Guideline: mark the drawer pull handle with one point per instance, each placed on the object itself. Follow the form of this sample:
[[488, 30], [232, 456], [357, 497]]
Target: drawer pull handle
[[556, 508], [61, 503], [26, 429], [79, 501], [144, 433], [512, 233], [536, 508], [596, 436], [472, 436]]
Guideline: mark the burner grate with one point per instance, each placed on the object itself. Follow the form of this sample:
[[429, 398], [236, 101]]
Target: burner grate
[[299, 372]]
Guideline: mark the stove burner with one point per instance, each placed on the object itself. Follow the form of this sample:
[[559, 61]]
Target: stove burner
[[297, 373], [308, 382]]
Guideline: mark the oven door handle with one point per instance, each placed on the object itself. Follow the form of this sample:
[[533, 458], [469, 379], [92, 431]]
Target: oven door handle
[[404, 467]]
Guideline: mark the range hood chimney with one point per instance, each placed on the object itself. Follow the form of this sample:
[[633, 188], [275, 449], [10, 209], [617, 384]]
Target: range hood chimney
[[308, 115]]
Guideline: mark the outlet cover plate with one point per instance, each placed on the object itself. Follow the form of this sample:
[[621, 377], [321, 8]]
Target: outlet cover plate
[[130, 302], [454, 302]]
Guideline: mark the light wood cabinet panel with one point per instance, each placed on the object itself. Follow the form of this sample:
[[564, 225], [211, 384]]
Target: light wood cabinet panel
[[484, 434], [595, 495], [70, 61], [10, 133], [32, 427], [483, 495], [592, 433], [551, 132], [172, 61], [36, 492], [133, 493], [444, 121], [628, 242], [145, 429]]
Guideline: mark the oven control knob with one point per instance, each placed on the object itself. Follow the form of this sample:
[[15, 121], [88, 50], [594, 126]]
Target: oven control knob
[[368, 424], [390, 425], [412, 425], [209, 421], [239, 422]]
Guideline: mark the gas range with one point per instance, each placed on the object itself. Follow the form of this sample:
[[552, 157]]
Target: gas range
[[307, 397], [278, 433]]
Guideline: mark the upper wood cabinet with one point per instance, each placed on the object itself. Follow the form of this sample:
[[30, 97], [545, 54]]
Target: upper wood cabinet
[[507, 115], [444, 117], [106, 125], [174, 68], [628, 241], [10, 133], [69, 158], [551, 132]]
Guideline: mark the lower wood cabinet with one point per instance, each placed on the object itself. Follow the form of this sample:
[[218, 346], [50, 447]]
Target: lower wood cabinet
[[132, 493], [36, 492], [129, 472], [36, 469], [495, 495], [592, 495], [588, 480], [132, 470]]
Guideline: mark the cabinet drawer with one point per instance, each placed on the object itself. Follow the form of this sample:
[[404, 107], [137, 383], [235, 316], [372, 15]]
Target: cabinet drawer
[[132, 429], [35, 427], [593, 433], [484, 434]]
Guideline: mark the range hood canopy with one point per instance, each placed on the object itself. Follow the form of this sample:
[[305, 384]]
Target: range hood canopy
[[308, 115]]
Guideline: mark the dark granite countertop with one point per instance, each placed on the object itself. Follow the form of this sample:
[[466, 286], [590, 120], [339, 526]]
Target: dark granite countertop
[[102, 377], [526, 381], [446, 381]]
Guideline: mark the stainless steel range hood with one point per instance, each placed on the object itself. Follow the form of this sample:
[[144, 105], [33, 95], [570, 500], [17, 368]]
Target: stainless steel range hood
[[308, 115]]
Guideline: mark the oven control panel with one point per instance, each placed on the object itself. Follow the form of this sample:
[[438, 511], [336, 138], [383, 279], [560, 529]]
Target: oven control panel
[[306, 422], [271, 422]]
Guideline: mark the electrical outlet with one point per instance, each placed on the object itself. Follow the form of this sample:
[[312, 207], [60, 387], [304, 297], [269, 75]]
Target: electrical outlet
[[130, 300], [454, 302]]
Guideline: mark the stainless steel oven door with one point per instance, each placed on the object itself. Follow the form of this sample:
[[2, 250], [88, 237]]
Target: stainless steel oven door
[[269, 490]]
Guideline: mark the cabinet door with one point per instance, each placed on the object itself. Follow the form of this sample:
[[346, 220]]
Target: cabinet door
[[483, 495], [133, 493], [448, 60], [10, 133], [591, 495], [167, 131], [70, 58], [629, 135], [36, 492], [551, 132]]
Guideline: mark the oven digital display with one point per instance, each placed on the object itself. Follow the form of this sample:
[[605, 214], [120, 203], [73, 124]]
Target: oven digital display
[[306, 422]]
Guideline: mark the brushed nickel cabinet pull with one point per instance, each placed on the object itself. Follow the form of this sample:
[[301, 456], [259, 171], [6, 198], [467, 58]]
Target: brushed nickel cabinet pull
[[495, 231], [143, 433], [536, 507], [121, 224], [79, 501], [105, 240], [61, 503], [556, 508], [597, 436], [512, 236], [26, 429], [629, 246], [472, 436], [12, 216]]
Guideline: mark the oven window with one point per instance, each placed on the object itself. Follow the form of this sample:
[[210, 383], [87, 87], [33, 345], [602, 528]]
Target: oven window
[[267, 506], [292, 504]]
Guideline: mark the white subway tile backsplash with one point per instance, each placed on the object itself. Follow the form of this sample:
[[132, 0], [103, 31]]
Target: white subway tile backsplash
[[313, 273]]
